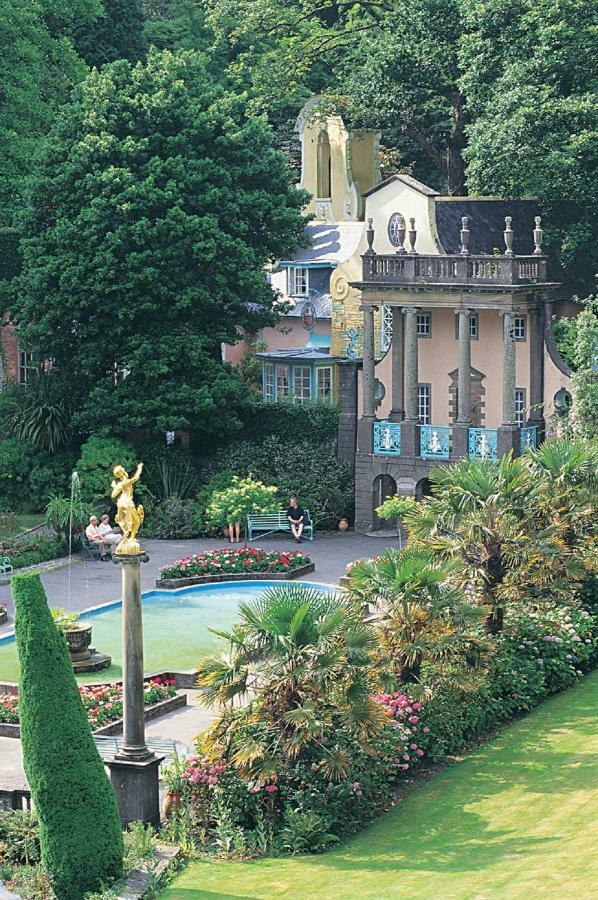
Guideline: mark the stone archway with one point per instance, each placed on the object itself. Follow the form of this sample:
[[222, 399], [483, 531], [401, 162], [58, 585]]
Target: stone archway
[[384, 486], [423, 488]]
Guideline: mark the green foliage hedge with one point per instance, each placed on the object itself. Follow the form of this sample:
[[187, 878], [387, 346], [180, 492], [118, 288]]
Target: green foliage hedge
[[80, 833], [98, 457], [32, 550]]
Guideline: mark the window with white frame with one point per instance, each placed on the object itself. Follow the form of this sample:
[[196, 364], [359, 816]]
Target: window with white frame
[[283, 387], [324, 384], [26, 367], [269, 383], [424, 324], [385, 328], [298, 281], [424, 404], [302, 384], [473, 327], [519, 328], [520, 407]]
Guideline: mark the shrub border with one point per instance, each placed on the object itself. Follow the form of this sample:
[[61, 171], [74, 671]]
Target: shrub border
[[170, 583]]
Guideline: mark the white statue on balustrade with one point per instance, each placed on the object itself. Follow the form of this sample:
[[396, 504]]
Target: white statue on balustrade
[[434, 443]]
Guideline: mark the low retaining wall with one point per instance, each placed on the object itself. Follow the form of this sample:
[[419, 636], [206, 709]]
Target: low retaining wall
[[171, 583], [150, 712]]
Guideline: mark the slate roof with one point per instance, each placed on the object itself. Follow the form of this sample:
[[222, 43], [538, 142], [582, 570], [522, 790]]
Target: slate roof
[[331, 243], [406, 179], [322, 304], [486, 223], [308, 354]]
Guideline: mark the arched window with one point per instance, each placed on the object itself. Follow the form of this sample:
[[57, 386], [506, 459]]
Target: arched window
[[324, 176], [384, 487]]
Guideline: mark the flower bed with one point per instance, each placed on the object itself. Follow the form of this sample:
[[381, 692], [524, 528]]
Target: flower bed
[[232, 564], [103, 703], [23, 553]]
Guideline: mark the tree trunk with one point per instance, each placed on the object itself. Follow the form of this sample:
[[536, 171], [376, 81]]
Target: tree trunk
[[494, 622], [455, 143]]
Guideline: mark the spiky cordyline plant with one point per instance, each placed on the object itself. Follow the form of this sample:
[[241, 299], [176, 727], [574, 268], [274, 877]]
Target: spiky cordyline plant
[[422, 618], [298, 661], [483, 515]]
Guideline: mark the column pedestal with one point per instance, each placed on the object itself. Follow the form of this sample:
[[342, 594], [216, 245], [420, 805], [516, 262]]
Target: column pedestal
[[460, 446], [365, 434], [135, 784], [508, 438], [409, 438]]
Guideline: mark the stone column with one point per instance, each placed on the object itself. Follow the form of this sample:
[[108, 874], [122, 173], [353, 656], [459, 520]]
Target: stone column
[[347, 423], [398, 407], [409, 442], [464, 376], [364, 431], [134, 769], [508, 370], [508, 433], [369, 364], [463, 420], [536, 365], [411, 374]]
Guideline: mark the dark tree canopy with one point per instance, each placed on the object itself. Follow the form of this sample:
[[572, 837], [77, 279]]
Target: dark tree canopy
[[117, 33], [158, 204]]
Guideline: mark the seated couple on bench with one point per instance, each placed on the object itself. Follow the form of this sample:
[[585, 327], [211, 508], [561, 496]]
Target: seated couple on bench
[[101, 536]]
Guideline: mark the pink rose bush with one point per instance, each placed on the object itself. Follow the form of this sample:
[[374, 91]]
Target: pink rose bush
[[231, 560]]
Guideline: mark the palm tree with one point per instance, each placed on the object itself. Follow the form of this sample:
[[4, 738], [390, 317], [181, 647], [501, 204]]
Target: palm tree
[[483, 515], [299, 660], [422, 618], [566, 477], [41, 416]]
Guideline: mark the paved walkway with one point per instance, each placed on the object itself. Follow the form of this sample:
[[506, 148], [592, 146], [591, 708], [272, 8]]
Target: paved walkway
[[90, 583]]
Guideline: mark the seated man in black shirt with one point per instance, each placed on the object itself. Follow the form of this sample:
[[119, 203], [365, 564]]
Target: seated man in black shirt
[[296, 517]]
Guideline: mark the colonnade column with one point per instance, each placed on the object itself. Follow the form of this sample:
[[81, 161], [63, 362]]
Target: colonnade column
[[464, 374], [536, 365], [463, 418], [509, 361], [396, 349], [364, 429], [409, 436], [508, 433]]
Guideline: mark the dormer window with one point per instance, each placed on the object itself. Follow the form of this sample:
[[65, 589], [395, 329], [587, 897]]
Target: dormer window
[[298, 281]]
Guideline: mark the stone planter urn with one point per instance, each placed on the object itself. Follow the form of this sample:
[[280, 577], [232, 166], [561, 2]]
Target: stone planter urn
[[172, 804], [343, 524], [79, 641]]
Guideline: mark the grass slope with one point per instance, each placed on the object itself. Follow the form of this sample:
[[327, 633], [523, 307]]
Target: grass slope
[[517, 819]]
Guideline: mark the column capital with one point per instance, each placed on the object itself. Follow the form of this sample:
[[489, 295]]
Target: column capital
[[369, 307], [410, 309], [463, 312]]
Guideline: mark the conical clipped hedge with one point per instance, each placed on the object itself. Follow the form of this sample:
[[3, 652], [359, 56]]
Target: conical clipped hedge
[[80, 832]]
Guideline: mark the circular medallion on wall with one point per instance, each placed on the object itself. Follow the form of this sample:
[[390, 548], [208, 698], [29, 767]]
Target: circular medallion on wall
[[340, 288], [396, 230]]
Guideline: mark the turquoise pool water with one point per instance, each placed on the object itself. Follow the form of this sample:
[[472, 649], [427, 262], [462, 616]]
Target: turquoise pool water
[[176, 625]]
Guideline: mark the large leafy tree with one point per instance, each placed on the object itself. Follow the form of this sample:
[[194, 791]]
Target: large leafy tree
[[38, 68], [529, 74], [157, 205]]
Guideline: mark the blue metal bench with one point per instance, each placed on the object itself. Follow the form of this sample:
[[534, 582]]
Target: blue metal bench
[[277, 522], [90, 550]]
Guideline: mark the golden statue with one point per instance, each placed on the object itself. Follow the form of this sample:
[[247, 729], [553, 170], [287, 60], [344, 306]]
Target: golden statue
[[128, 517]]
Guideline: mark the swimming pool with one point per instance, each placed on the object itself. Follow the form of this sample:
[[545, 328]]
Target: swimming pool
[[176, 627]]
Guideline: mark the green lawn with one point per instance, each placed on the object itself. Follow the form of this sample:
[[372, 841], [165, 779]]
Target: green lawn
[[22, 523], [516, 819]]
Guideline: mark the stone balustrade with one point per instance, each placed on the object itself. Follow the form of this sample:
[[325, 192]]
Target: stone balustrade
[[473, 271]]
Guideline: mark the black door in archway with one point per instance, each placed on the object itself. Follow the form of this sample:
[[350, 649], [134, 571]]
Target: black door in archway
[[384, 487]]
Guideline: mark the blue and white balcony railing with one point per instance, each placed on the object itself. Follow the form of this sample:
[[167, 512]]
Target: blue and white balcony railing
[[482, 443], [387, 438], [528, 438], [434, 441]]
